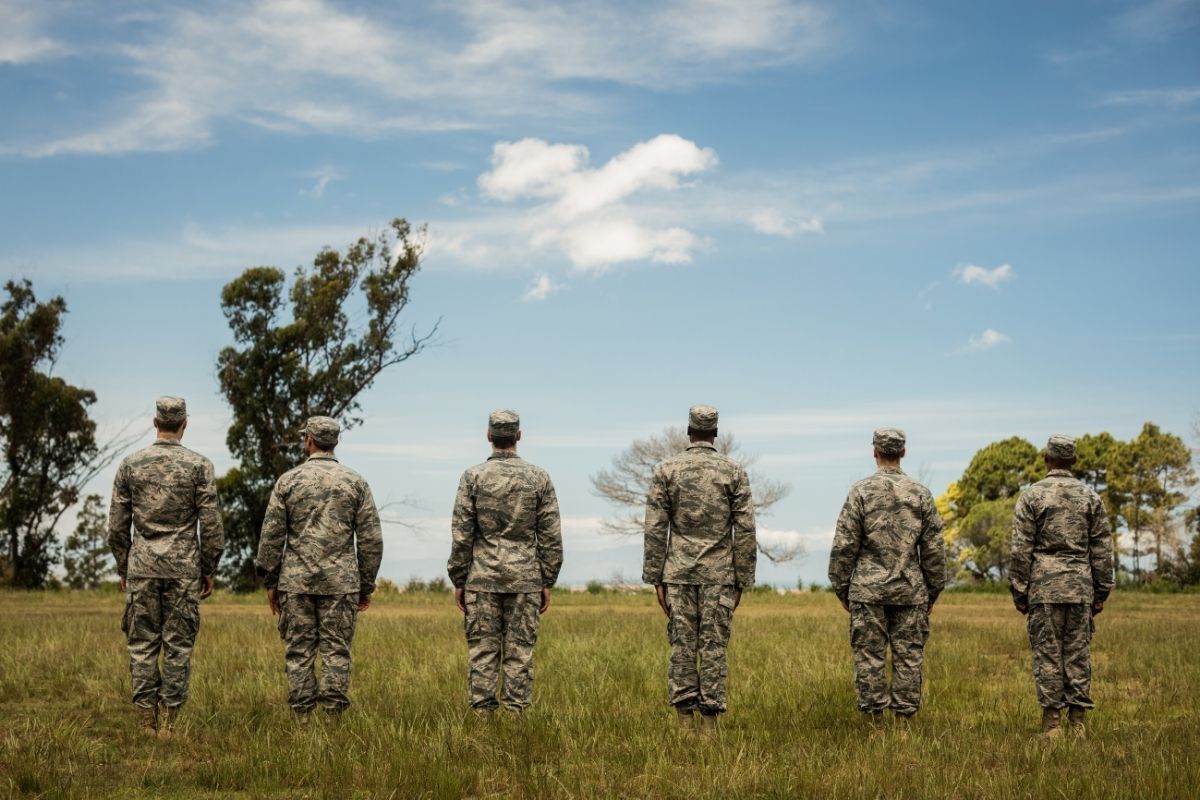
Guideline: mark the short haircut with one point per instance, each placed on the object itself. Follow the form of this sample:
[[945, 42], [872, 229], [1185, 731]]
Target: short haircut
[[168, 427], [1059, 463], [503, 442], [707, 436]]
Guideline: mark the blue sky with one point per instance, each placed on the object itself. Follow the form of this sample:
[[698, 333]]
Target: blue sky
[[968, 220]]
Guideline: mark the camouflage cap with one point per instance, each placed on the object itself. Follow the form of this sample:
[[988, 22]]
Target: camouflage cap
[[324, 430], [170, 409], [702, 418], [1061, 446], [504, 422], [889, 441]]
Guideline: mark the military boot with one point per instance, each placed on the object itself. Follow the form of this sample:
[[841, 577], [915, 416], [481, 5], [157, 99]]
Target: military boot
[[148, 720], [709, 726], [1051, 729], [303, 718], [167, 717], [903, 723], [1075, 717], [685, 719], [484, 714], [873, 720]]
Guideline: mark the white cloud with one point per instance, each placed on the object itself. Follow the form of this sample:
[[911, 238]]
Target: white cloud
[[542, 287], [986, 340], [971, 274], [21, 38], [531, 168], [772, 222], [1158, 20], [1168, 98], [323, 176], [817, 541]]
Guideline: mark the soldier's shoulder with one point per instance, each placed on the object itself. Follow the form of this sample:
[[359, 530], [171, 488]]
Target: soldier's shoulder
[[191, 456], [538, 472], [913, 485]]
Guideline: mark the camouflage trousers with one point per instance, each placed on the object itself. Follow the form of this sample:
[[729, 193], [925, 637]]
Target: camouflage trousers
[[501, 632], [162, 616], [873, 630], [699, 621], [312, 624], [1060, 635]]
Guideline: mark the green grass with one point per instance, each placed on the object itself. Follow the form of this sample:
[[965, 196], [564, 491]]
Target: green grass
[[600, 726]]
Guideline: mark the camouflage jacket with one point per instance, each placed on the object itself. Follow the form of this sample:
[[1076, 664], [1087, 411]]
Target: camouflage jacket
[[506, 532], [700, 521], [165, 492], [1061, 551], [317, 512], [888, 546]]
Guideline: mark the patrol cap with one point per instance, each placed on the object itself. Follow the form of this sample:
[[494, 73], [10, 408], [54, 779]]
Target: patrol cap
[[504, 422], [702, 418], [323, 430], [888, 441], [170, 409], [1061, 446]]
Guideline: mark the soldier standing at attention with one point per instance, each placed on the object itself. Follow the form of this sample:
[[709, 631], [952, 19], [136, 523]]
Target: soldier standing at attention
[[1060, 574], [700, 553], [505, 557], [887, 567], [168, 494], [318, 556]]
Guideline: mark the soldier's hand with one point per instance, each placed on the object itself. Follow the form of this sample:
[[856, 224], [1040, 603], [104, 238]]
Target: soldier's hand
[[1022, 605], [1097, 607], [661, 592], [460, 598], [206, 587], [364, 601], [737, 598], [273, 601], [545, 606]]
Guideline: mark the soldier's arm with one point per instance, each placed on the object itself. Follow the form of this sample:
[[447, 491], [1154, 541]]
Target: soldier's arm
[[933, 551], [657, 527], [212, 532], [847, 540], [1100, 551], [462, 532], [271, 540], [549, 535], [745, 540], [1020, 563], [120, 520], [368, 535]]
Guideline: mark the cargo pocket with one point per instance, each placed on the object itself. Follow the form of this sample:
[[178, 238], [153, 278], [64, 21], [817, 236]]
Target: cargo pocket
[[125, 616], [476, 622], [525, 619], [281, 623]]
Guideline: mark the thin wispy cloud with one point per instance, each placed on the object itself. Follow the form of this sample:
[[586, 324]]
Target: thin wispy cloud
[[1163, 98], [322, 177], [972, 274], [985, 341], [1158, 20], [23, 39], [542, 287], [773, 222]]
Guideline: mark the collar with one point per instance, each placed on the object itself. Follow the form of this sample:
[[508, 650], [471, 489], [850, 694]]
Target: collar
[[1060, 473], [169, 442], [503, 454], [890, 471], [322, 457], [702, 445]]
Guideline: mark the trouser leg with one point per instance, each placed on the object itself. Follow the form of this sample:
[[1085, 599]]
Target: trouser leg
[[298, 626], [181, 623], [520, 623], [336, 617], [1077, 656], [143, 631], [869, 642], [1046, 623], [683, 632], [482, 623], [908, 630], [716, 622]]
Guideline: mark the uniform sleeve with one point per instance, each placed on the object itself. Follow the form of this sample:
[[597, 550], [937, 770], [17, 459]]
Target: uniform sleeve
[[1020, 563], [271, 541], [212, 533], [847, 539], [368, 535], [657, 528], [462, 532], [933, 551], [549, 535], [745, 540], [120, 520], [1100, 552]]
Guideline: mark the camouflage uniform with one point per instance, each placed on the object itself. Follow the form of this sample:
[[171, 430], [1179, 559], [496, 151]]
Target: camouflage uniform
[[1061, 562], [700, 542], [321, 546], [888, 563], [164, 529], [507, 547]]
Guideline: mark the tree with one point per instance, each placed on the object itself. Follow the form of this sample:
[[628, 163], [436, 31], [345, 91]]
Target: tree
[[1094, 457], [1001, 469], [626, 484], [46, 435], [280, 371], [86, 558]]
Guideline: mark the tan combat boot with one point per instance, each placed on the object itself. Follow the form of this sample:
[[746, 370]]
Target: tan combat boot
[[873, 720], [709, 726], [1075, 717], [1051, 729], [148, 720], [167, 719], [903, 722], [686, 720]]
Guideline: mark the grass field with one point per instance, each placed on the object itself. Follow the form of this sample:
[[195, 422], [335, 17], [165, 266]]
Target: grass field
[[600, 726]]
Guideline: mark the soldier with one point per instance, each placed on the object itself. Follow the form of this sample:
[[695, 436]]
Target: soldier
[[887, 567], [168, 494], [700, 553], [505, 557], [318, 557], [1060, 574]]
